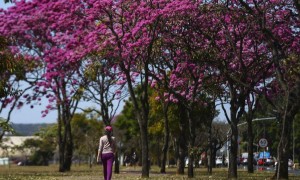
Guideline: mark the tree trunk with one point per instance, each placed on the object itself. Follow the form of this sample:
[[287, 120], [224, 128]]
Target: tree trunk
[[283, 150], [145, 150], [141, 107], [181, 157], [209, 162], [65, 140], [213, 155], [61, 153], [282, 165], [191, 166], [250, 147], [209, 157], [166, 140], [61, 143], [117, 163], [232, 174], [69, 146], [191, 143], [90, 161], [182, 153], [158, 153]]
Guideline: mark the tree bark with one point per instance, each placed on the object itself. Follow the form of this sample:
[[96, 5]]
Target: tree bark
[[191, 166], [141, 107], [117, 163], [65, 139], [145, 153], [282, 171], [286, 121], [192, 137], [61, 149], [213, 154], [69, 146], [182, 153], [209, 154], [232, 174], [283, 149], [158, 152], [166, 140]]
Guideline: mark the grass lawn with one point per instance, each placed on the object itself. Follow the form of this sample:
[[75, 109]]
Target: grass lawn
[[83, 172]]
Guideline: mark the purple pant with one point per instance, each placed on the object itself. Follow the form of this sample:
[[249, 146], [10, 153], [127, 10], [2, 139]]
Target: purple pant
[[107, 160]]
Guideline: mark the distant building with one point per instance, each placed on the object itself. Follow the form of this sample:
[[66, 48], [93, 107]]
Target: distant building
[[4, 161], [9, 146]]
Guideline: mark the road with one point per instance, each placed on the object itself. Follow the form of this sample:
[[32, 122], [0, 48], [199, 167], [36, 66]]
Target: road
[[295, 172]]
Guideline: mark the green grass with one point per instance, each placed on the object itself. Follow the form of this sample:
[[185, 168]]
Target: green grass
[[83, 172]]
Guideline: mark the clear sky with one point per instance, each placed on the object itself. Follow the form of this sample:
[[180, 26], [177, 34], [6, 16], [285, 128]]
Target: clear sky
[[4, 5]]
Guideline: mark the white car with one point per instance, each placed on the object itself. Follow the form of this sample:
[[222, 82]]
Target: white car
[[270, 161], [291, 163], [219, 161], [187, 162]]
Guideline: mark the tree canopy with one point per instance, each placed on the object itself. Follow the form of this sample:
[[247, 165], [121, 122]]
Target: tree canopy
[[187, 50]]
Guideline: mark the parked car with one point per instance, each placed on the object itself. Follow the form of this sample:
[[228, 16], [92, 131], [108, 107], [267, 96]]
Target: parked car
[[244, 161], [187, 162], [266, 161], [270, 161], [226, 161], [290, 163], [219, 162], [260, 162]]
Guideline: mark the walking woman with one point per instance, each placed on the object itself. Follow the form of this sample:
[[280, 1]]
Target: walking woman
[[106, 151]]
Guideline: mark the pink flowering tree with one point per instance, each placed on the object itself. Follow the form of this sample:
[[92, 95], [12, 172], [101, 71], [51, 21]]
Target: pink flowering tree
[[236, 59], [130, 34], [181, 71], [242, 65], [187, 106], [182, 78], [278, 21], [251, 44], [51, 33], [224, 48], [123, 28]]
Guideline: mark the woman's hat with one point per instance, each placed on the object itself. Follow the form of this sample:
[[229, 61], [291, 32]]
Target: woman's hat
[[108, 128]]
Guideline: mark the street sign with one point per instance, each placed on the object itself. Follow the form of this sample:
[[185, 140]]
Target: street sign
[[263, 142]]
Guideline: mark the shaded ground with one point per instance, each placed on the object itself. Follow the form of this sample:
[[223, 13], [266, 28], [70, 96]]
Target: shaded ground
[[83, 172]]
